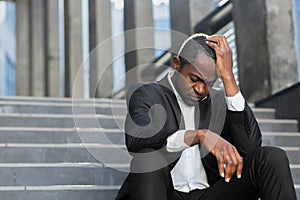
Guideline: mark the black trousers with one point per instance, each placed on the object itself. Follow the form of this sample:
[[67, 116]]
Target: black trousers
[[266, 175]]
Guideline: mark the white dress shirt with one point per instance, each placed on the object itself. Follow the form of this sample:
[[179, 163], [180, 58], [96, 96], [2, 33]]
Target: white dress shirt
[[188, 173]]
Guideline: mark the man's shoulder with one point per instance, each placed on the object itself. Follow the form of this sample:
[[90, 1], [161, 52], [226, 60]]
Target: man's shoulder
[[148, 87], [144, 87], [154, 88]]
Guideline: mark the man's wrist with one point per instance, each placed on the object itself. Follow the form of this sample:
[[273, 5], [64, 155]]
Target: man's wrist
[[227, 76], [193, 137], [201, 134], [230, 85]]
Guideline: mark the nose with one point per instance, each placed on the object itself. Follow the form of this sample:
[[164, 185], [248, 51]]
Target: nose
[[201, 89]]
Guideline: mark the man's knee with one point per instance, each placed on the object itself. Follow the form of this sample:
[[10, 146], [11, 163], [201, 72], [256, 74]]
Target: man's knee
[[273, 155], [272, 174], [149, 185]]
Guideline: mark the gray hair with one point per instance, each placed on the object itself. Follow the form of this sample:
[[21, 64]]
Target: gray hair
[[192, 46]]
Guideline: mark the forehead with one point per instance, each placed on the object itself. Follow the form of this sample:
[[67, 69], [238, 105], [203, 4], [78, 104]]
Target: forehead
[[204, 66]]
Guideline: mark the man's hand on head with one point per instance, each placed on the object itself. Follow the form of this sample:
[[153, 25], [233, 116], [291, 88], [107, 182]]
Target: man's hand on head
[[223, 62], [228, 158], [223, 54]]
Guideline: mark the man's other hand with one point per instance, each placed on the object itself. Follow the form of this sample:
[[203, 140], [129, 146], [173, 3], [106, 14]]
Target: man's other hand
[[229, 160]]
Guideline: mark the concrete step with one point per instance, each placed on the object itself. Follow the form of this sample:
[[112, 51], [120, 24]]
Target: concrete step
[[62, 121], [105, 153], [74, 192], [42, 174], [60, 135], [106, 121], [60, 192], [278, 125], [42, 154], [295, 170], [107, 136], [281, 139], [45, 174], [293, 154], [88, 108], [63, 108], [60, 100], [54, 153], [264, 113]]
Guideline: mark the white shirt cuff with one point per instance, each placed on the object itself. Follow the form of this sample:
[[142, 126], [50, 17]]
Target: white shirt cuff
[[236, 103], [175, 142]]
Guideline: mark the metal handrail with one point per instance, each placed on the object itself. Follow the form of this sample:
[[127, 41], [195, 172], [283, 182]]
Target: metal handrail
[[217, 19]]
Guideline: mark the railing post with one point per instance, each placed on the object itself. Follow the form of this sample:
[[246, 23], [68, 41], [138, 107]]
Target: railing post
[[101, 71], [38, 47], [54, 85], [23, 48], [73, 49], [137, 14]]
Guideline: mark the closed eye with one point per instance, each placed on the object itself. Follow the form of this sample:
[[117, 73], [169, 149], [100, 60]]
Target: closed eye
[[196, 79]]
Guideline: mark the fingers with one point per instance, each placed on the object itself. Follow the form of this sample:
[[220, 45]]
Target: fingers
[[221, 163], [229, 162], [224, 58], [230, 167], [234, 164], [224, 44], [220, 40], [215, 46], [240, 164], [219, 44], [228, 158]]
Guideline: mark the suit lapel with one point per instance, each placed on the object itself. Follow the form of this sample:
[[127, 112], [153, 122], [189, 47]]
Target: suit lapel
[[203, 114], [218, 111], [172, 101]]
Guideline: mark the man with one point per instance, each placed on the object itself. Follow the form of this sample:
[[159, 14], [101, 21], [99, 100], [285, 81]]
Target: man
[[172, 131]]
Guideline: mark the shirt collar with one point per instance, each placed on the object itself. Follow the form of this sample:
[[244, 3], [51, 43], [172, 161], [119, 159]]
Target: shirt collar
[[170, 74]]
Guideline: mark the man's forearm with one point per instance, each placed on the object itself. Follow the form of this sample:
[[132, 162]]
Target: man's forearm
[[183, 139], [230, 85], [193, 137]]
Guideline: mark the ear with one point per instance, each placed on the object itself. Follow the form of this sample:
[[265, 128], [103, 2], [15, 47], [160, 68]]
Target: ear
[[176, 63]]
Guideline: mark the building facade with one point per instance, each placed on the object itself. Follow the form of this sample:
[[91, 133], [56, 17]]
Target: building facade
[[82, 49]]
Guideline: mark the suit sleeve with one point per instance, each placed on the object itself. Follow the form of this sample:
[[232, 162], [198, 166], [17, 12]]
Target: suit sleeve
[[145, 122], [241, 129]]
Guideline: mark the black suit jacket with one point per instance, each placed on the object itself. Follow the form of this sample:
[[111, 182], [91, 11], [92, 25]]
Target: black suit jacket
[[154, 114]]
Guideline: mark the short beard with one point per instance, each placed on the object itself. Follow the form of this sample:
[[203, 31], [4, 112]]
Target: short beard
[[189, 101]]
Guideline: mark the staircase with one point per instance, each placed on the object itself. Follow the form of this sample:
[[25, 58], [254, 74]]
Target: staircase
[[64, 149]]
